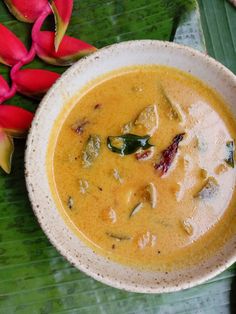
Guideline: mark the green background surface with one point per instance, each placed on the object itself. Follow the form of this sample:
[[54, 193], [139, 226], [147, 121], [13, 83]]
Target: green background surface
[[34, 278]]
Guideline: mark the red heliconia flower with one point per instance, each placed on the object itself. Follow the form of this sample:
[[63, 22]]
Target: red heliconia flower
[[54, 48], [15, 121], [70, 50], [26, 10], [34, 82], [6, 151], [12, 50], [62, 11], [4, 87]]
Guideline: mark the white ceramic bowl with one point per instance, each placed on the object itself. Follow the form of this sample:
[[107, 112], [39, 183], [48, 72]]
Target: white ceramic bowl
[[61, 236]]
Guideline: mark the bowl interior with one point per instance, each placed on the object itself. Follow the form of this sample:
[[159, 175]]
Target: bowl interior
[[63, 238]]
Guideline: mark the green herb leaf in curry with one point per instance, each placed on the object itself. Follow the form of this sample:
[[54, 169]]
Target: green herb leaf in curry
[[128, 143]]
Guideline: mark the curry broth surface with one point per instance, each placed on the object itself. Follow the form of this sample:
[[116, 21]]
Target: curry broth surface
[[182, 228]]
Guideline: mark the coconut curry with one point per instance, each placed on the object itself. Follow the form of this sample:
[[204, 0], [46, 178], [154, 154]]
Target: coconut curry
[[142, 166]]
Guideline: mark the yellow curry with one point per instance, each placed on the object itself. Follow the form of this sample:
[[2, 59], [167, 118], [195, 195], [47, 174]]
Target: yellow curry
[[142, 167]]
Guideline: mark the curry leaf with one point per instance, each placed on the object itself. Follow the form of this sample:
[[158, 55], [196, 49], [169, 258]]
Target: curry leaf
[[128, 143]]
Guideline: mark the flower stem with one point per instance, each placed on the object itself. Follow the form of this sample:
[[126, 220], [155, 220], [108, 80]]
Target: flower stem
[[39, 23]]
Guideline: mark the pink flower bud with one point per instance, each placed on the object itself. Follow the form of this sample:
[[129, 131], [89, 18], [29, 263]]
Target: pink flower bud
[[26, 11], [34, 82], [70, 50], [15, 121], [12, 50]]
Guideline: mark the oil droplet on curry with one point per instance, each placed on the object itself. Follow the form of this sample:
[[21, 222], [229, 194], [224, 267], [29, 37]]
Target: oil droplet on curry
[[142, 166]]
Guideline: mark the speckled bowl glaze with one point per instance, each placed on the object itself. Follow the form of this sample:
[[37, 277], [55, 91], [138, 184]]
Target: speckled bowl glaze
[[60, 235]]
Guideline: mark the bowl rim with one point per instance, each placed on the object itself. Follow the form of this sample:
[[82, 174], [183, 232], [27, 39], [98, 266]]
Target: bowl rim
[[217, 269]]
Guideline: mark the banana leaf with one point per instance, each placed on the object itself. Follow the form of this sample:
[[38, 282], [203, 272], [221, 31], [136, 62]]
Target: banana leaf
[[34, 278], [219, 23]]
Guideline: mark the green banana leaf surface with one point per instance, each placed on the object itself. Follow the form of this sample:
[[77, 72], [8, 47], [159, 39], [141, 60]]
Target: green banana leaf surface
[[34, 277]]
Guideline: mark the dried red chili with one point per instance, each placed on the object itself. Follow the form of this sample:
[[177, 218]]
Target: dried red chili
[[143, 155], [78, 127], [168, 155]]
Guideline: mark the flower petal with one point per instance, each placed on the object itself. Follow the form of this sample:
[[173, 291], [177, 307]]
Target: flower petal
[[26, 11], [15, 120], [34, 82], [70, 50], [6, 151], [62, 12], [4, 87], [12, 50]]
